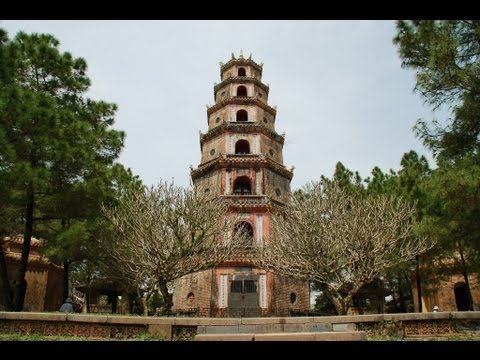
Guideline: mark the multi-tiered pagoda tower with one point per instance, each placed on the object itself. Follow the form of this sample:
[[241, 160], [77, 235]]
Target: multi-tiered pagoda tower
[[242, 162]]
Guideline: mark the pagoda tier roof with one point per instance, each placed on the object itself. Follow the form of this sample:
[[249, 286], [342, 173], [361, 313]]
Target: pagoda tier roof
[[13, 251], [241, 127], [241, 100], [241, 80], [240, 61], [241, 161]]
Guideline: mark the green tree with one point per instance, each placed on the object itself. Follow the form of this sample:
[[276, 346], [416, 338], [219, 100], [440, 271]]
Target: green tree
[[51, 135], [453, 219], [382, 183], [445, 57], [75, 219], [345, 178]]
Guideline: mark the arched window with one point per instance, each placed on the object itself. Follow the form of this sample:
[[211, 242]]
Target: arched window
[[242, 72], [242, 186], [461, 296], [246, 230], [242, 147], [242, 115], [241, 91]]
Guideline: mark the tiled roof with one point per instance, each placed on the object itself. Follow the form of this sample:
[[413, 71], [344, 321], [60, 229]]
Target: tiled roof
[[241, 100], [18, 239], [240, 61], [225, 160], [241, 79], [15, 243], [241, 127]]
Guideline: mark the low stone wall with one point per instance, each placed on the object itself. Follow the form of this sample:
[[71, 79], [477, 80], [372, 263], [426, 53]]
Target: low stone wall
[[409, 325]]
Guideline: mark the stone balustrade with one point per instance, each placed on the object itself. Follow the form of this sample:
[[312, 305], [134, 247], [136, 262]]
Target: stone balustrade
[[410, 325]]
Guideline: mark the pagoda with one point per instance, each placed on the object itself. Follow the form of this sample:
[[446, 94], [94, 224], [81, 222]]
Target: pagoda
[[242, 162]]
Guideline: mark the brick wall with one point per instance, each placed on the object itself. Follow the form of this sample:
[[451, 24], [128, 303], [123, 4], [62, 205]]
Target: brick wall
[[192, 293], [290, 295]]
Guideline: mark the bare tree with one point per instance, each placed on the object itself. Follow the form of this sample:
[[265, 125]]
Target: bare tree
[[165, 232], [341, 239]]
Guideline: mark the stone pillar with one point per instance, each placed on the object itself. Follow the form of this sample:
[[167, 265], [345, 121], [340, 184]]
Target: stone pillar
[[222, 291]]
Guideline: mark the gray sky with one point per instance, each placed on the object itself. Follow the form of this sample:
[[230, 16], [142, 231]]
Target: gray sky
[[340, 92]]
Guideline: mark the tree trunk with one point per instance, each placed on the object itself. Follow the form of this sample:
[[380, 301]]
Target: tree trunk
[[86, 308], [419, 286], [465, 276], [336, 299], [66, 268], [145, 305], [401, 295], [21, 284], [143, 300], [381, 295], [347, 300], [6, 303], [167, 298], [114, 303]]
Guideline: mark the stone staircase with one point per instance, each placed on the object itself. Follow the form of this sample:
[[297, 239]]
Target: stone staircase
[[261, 331]]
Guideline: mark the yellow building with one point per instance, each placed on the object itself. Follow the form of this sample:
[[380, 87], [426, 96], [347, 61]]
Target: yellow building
[[44, 278]]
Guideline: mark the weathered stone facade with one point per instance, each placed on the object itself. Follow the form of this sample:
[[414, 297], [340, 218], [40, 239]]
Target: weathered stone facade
[[242, 161], [44, 279], [447, 292]]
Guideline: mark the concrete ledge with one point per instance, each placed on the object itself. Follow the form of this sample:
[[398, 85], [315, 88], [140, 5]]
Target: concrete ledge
[[306, 336], [35, 316], [344, 327], [193, 321], [225, 337], [261, 321], [464, 315], [89, 318], [130, 320]]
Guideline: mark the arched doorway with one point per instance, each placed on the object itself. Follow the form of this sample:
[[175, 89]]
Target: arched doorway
[[461, 296], [242, 147], [242, 115], [242, 186], [241, 91]]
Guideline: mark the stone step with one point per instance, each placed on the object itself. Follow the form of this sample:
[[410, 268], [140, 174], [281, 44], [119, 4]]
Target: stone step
[[296, 336], [270, 328]]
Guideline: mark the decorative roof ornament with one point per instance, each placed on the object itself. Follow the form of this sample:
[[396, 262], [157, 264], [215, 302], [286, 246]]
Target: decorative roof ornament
[[221, 64], [233, 56], [250, 57], [241, 54]]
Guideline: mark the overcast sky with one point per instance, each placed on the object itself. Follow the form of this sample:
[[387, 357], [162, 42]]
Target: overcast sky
[[340, 92]]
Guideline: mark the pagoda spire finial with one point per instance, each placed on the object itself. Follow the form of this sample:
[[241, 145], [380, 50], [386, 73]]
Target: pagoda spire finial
[[241, 54]]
